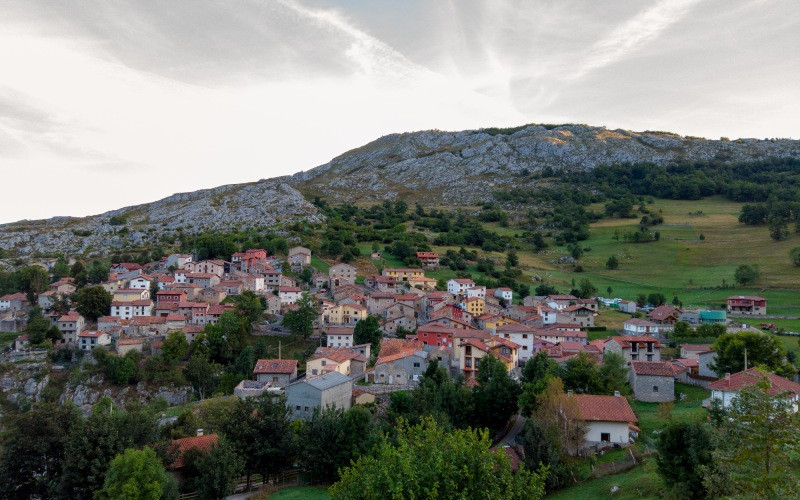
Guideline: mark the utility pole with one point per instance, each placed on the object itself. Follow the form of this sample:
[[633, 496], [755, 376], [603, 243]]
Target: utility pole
[[279, 351], [745, 358]]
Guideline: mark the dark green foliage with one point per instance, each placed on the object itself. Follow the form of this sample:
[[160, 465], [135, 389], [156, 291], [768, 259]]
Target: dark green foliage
[[495, 396], [37, 326], [216, 471], [332, 439], [92, 302], [682, 449], [542, 447], [33, 450], [581, 374], [612, 262], [794, 254], [746, 274], [138, 472], [368, 331], [301, 321], [762, 349]]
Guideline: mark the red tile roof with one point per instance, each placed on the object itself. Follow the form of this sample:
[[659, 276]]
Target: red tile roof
[[286, 366], [750, 377], [338, 354], [604, 408], [653, 368], [339, 330], [179, 447]]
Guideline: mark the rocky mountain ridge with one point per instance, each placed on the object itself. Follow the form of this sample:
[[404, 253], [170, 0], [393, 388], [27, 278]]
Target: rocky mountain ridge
[[435, 167]]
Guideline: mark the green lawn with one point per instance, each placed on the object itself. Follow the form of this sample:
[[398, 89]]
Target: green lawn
[[680, 263], [6, 338], [301, 493], [639, 482], [319, 264]]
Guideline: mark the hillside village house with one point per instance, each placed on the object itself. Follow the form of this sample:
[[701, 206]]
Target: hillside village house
[[580, 315], [299, 257], [124, 346], [422, 283], [609, 420], [344, 315], [131, 294], [470, 351], [474, 305], [638, 326], [127, 310], [727, 388], [276, 372], [216, 267], [477, 291], [332, 390], [642, 348], [561, 301], [335, 359], [747, 304], [459, 286], [400, 366], [341, 274], [170, 296], [664, 315], [14, 302], [523, 336], [141, 282], [652, 381], [339, 336], [692, 351], [126, 267], [626, 306], [403, 275], [289, 294], [505, 294], [64, 286], [430, 260], [89, 339], [69, 325], [177, 260], [559, 332], [244, 261]]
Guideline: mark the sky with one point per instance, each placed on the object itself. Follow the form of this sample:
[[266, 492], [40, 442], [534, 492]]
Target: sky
[[111, 103]]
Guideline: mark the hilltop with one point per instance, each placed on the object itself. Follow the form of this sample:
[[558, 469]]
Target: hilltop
[[433, 167]]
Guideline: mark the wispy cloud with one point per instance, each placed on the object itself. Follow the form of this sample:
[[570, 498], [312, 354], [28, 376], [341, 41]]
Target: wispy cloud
[[632, 35]]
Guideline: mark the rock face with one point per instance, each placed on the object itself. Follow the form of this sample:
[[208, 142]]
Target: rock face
[[86, 394], [260, 204], [455, 168], [463, 168]]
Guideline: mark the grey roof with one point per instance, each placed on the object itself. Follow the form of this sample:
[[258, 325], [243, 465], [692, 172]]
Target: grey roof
[[326, 381]]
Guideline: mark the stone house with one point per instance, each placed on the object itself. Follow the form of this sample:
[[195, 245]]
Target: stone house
[[299, 257], [289, 294], [639, 326], [278, 372], [459, 286], [339, 336], [70, 325], [642, 348], [330, 390], [14, 302], [430, 260], [727, 388], [89, 339], [335, 359], [402, 367], [747, 304], [580, 315], [124, 346], [652, 381], [341, 274]]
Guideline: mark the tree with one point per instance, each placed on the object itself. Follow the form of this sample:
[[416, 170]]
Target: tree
[[746, 274], [681, 329], [762, 349], [31, 280], [227, 336], [676, 302], [54, 335], [612, 262], [249, 305], [545, 289], [586, 289], [61, 304], [656, 299], [245, 361], [758, 453], [778, 229], [682, 449], [259, 430], [93, 443], [202, 374], [794, 254], [134, 475], [641, 300], [174, 346], [37, 326], [32, 457], [543, 448], [217, 470], [495, 395], [300, 321], [613, 373], [334, 437], [427, 462], [536, 374], [557, 410], [580, 374], [98, 273], [368, 331], [512, 260], [93, 302]]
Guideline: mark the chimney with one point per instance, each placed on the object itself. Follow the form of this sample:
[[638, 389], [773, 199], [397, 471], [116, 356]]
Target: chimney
[[199, 432], [616, 393], [569, 393], [728, 379]]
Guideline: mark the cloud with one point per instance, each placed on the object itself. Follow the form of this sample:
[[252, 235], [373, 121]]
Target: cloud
[[632, 35]]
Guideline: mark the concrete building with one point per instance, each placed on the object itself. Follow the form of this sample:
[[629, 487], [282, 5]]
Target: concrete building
[[277, 372], [652, 381], [608, 419], [330, 390], [727, 388]]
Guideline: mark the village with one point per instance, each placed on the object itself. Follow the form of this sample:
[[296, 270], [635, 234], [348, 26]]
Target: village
[[415, 323]]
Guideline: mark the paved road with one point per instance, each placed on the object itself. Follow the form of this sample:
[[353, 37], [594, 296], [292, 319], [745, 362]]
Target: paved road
[[511, 436]]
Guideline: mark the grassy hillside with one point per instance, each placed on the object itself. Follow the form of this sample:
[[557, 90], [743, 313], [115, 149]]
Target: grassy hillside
[[681, 263]]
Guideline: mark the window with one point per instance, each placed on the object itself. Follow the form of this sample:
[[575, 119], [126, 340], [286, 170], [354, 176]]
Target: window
[[634, 357], [649, 357], [655, 388], [524, 348], [314, 371], [468, 362], [524, 335], [274, 379], [297, 407], [416, 365], [605, 437], [306, 408]]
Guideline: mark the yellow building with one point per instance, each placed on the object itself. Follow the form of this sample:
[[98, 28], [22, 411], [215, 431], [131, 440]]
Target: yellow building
[[423, 283], [470, 351], [329, 359], [130, 294], [402, 274], [344, 314], [475, 306]]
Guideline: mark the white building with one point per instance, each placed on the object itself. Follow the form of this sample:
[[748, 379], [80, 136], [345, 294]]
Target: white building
[[609, 420], [339, 337], [89, 339], [459, 286], [639, 326], [127, 310], [504, 293], [289, 294], [727, 388]]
